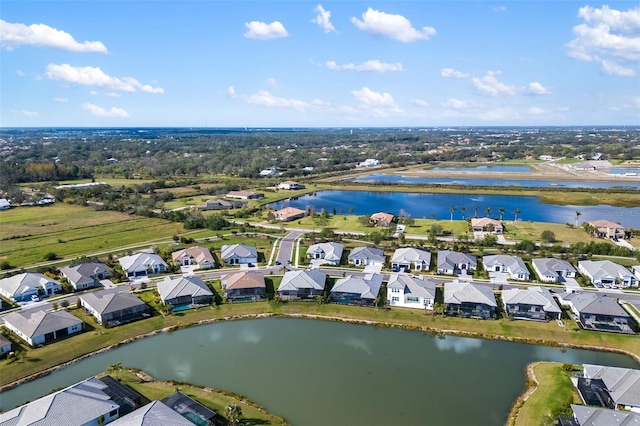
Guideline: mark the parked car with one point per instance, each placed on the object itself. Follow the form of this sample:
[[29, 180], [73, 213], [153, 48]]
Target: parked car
[[278, 262], [250, 265]]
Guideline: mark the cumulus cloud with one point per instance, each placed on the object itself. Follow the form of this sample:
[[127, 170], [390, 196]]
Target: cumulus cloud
[[263, 97], [41, 35], [94, 76], [61, 100], [368, 97], [231, 92], [451, 73], [535, 111], [458, 104], [323, 19], [262, 31], [371, 65], [101, 112], [535, 88], [609, 37], [271, 82], [490, 86], [420, 103], [395, 27]]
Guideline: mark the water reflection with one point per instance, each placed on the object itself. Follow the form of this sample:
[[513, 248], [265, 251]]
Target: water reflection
[[457, 344]]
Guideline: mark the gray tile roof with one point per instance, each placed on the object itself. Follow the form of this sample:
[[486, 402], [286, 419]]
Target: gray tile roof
[[171, 288], [18, 284], [448, 259], [105, 302], [35, 322], [367, 287], [140, 261], [536, 296], [410, 255], [154, 413], [623, 384], [79, 404], [550, 266], [366, 252], [238, 250], [4, 341], [514, 264], [332, 251], [458, 292], [416, 286], [295, 280], [595, 416], [83, 272], [604, 269], [593, 303]]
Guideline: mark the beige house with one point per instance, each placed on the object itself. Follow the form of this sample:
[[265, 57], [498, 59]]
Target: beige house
[[484, 224], [289, 213], [607, 229], [381, 219]]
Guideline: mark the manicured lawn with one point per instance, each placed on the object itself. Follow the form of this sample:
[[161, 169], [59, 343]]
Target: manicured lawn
[[519, 231]]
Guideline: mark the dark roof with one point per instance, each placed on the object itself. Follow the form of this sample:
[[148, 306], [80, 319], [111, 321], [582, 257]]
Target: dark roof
[[124, 396], [189, 408]]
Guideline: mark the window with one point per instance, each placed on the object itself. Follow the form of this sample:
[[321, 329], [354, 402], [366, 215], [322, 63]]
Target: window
[[395, 299], [412, 299]]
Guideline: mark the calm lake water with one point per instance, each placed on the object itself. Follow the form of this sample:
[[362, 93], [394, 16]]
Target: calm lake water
[[328, 373], [504, 169], [623, 170], [423, 205], [414, 180]]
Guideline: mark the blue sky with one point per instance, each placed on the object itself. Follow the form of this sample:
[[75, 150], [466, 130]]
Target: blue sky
[[310, 64]]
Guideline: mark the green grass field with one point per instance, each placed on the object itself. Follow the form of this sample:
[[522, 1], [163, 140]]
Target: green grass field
[[519, 231]]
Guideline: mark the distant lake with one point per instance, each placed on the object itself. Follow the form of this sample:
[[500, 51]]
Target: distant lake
[[500, 168], [624, 170], [423, 205], [329, 373], [415, 180]]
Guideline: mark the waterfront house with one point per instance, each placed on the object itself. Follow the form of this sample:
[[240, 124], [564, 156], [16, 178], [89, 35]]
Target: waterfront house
[[194, 256], [142, 265], [607, 229], [366, 256], [84, 403], [533, 303], [356, 290], [37, 327], [111, 309], [552, 270], [486, 224], [193, 410], [245, 195], [455, 263], [607, 273], [594, 416], [407, 259], [329, 253], [289, 213], [5, 346], [621, 386], [369, 162], [85, 275], [184, 292], [219, 204], [28, 286], [594, 311], [238, 254], [152, 414], [244, 286], [407, 291], [290, 185], [382, 219], [514, 266], [302, 284], [469, 300]]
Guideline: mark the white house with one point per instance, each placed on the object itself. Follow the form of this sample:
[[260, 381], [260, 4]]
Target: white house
[[330, 253], [455, 263], [415, 292], [239, 254], [85, 275], [369, 162], [142, 265], [551, 270], [636, 271], [514, 266], [366, 256], [4, 204], [607, 273], [22, 287], [407, 259], [37, 327], [290, 185]]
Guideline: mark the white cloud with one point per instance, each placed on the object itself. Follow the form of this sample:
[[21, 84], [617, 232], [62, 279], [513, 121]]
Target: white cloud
[[371, 65], [29, 113], [271, 82], [231, 92], [262, 31], [93, 76], [41, 35], [265, 98], [101, 112], [20, 73], [609, 37], [535, 88], [61, 100], [114, 94], [535, 111], [368, 97], [458, 104], [323, 19], [490, 86], [395, 27], [93, 93], [420, 103], [451, 73], [500, 9]]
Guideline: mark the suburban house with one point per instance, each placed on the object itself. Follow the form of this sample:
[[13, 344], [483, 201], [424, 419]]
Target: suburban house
[[330, 253], [85, 275], [636, 271], [5, 345], [352, 290], [369, 162], [469, 300], [415, 292], [607, 273], [154, 413], [486, 224], [198, 256], [455, 263], [142, 265], [552, 270], [302, 284], [111, 309], [85, 403], [514, 266], [219, 204], [365, 256], [4, 204], [289, 213], [607, 229], [291, 185], [36, 327], [238, 254], [533, 303], [594, 311], [584, 415], [24, 287], [381, 219], [407, 259], [244, 286], [184, 292], [245, 195], [193, 410], [621, 386]]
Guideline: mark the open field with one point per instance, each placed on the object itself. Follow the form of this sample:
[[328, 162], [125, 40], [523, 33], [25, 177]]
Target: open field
[[526, 230]]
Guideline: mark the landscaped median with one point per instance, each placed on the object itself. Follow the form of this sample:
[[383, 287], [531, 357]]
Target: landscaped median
[[31, 363]]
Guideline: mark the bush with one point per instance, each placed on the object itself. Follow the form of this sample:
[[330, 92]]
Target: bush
[[50, 256]]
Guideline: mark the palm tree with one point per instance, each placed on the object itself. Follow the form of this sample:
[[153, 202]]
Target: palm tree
[[502, 210], [475, 211], [578, 214], [451, 210], [488, 210], [516, 212], [233, 412], [462, 210], [116, 368]]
